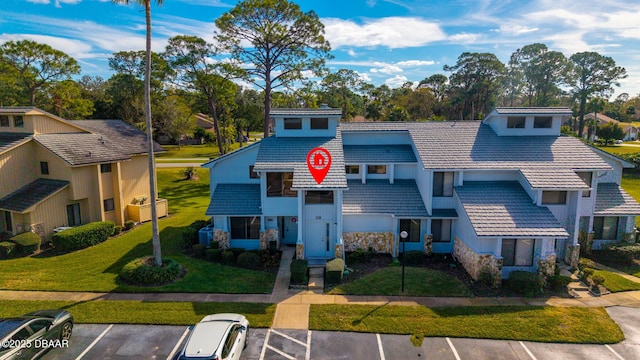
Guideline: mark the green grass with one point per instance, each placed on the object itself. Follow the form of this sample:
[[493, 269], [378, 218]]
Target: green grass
[[97, 268], [617, 283], [620, 150], [193, 151], [172, 161], [147, 312], [418, 282], [530, 323]]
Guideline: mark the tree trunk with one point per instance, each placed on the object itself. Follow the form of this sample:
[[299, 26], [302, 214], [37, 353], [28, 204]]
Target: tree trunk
[[216, 126], [583, 102], [267, 106]]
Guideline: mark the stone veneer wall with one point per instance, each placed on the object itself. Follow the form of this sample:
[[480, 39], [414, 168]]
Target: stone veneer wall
[[572, 254], [379, 242], [428, 244], [267, 236], [299, 251], [477, 264], [339, 251], [547, 266], [222, 237]]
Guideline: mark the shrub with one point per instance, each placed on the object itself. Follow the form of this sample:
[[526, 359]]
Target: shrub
[[214, 255], [143, 272], [83, 236], [558, 282], [129, 224], [189, 237], [587, 272], [358, 256], [4, 236], [117, 230], [236, 251], [6, 248], [526, 283], [597, 280], [586, 263], [228, 258], [214, 245], [270, 258], [27, 243], [413, 257], [299, 271], [621, 254], [334, 270], [249, 260], [199, 250]]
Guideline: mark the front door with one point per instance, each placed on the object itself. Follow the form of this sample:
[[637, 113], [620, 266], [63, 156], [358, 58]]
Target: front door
[[318, 239], [289, 229]]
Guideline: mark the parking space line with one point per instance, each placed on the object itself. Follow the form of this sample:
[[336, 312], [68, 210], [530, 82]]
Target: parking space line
[[380, 349], [264, 346], [528, 352], [614, 352], [307, 355], [281, 353], [453, 348], [288, 337], [175, 348], [94, 342]]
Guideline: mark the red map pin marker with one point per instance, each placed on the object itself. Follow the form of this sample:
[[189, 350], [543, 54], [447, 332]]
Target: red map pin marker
[[319, 162]]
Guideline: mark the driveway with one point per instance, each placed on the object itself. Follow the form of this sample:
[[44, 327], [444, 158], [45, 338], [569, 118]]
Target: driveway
[[161, 342]]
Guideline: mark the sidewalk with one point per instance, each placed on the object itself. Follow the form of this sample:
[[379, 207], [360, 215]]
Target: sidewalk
[[293, 305]]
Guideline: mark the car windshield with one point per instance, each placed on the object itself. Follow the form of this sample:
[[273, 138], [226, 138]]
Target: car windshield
[[9, 325]]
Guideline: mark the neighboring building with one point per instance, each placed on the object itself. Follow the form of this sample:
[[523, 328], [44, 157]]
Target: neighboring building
[[56, 173], [507, 193], [630, 131]]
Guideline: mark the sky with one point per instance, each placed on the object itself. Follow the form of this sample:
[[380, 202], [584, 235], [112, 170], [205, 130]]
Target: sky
[[385, 41]]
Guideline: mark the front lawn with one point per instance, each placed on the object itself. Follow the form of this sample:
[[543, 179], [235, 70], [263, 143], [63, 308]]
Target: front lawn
[[147, 312], [419, 281], [97, 268], [616, 283], [193, 151], [527, 323]]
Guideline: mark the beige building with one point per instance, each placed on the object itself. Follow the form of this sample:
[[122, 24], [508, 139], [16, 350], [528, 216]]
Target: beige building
[[55, 172]]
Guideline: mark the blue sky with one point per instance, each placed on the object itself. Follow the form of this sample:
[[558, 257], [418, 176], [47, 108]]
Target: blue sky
[[385, 41]]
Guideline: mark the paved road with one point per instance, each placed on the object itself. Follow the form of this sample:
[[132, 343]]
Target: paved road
[[160, 342]]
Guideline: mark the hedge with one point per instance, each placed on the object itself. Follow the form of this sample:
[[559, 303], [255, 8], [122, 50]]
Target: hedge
[[83, 236], [619, 254], [214, 255], [334, 270], [6, 248], [249, 260], [526, 283], [143, 272], [27, 243], [299, 272]]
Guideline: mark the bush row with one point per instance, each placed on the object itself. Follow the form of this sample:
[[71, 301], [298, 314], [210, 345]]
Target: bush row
[[618, 254], [533, 284], [83, 236], [143, 272], [248, 259]]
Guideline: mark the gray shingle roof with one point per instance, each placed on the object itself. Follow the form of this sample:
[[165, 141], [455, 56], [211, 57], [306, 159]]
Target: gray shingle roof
[[378, 153], [306, 112], [611, 199], [559, 179], [112, 140], [503, 208], [10, 139], [473, 145], [235, 199], [290, 154], [533, 110], [380, 197], [31, 194]]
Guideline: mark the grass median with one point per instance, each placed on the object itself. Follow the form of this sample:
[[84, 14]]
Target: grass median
[[530, 323], [142, 312]]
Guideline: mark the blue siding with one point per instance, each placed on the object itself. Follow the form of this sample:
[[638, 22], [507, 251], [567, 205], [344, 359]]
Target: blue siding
[[253, 244]]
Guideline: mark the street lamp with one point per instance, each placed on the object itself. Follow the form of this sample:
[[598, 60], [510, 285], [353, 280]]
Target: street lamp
[[403, 235]]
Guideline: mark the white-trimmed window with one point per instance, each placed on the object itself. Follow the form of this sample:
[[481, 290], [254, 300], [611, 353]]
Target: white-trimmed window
[[319, 123], [245, 227], [279, 184], [441, 230], [443, 184], [18, 121], [542, 122], [109, 205], [292, 124], [516, 122], [4, 121], [517, 252], [554, 197]]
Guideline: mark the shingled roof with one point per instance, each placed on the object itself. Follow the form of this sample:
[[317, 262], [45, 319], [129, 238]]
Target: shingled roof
[[503, 208], [402, 198], [556, 179], [31, 194], [10, 139], [379, 154], [110, 140], [290, 154], [611, 199], [235, 199]]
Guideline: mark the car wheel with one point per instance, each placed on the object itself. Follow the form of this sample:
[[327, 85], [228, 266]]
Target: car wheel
[[65, 330]]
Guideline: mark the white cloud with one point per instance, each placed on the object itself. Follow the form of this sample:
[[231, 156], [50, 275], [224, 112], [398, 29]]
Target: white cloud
[[392, 32], [415, 63], [74, 48], [40, 1], [464, 38], [396, 81], [385, 68], [364, 76], [516, 29], [352, 53]]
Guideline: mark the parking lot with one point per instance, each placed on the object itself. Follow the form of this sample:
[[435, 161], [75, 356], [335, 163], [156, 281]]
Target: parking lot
[[161, 342]]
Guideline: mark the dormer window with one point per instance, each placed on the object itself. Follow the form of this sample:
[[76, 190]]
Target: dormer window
[[319, 123], [292, 124], [18, 121], [542, 122], [4, 121], [515, 122]]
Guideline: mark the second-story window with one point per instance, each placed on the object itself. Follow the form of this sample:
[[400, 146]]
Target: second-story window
[[377, 169], [319, 123], [105, 168], [443, 184], [4, 121], [18, 121], [279, 184], [352, 169], [44, 168], [108, 204], [515, 122], [293, 124], [554, 197], [542, 122]]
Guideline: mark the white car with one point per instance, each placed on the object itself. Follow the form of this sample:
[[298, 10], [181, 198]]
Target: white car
[[216, 337]]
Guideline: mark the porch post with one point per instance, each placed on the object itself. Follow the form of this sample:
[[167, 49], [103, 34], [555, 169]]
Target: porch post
[[299, 242]]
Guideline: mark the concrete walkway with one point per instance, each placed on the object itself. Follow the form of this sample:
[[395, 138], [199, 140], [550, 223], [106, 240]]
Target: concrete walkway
[[292, 311]]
